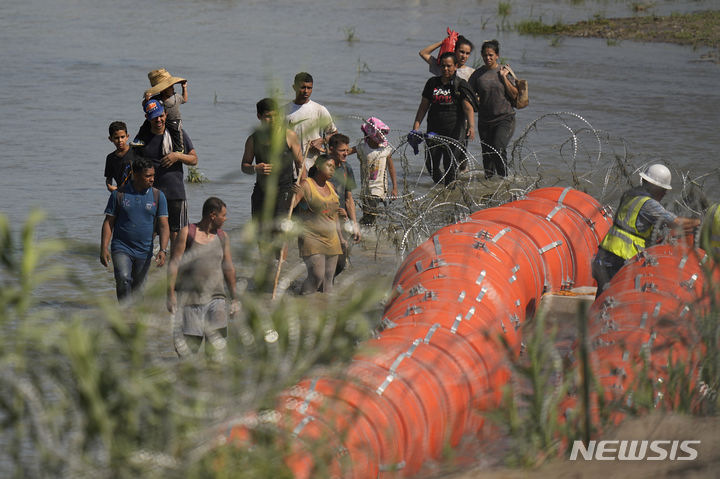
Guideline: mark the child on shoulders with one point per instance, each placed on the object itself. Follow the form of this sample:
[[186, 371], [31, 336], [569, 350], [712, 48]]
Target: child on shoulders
[[163, 89]]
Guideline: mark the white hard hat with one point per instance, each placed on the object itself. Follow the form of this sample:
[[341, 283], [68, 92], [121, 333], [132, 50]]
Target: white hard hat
[[658, 175]]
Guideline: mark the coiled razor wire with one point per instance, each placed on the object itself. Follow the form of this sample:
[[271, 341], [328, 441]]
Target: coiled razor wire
[[556, 149]]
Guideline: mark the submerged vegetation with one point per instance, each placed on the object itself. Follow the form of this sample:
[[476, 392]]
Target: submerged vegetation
[[194, 175]]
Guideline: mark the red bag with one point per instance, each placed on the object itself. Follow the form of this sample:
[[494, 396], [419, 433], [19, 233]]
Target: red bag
[[448, 45]]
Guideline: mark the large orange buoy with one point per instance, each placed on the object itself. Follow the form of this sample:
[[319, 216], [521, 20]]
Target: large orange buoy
[[551, 243], [440, 360], [645, 320]]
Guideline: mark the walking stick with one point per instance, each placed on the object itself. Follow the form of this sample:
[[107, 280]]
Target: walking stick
[[289, 216]]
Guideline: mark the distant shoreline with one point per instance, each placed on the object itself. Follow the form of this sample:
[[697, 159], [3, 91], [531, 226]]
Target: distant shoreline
[[699, 29]]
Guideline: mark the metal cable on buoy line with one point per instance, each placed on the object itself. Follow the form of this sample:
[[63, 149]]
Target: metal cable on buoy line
[[440, 361], [644, 324]]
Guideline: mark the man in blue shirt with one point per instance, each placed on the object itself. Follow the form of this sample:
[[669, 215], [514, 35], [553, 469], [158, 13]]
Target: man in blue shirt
[[130, 218]]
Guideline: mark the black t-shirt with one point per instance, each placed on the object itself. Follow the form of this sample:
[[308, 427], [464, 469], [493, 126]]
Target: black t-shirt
[[168, 180], [445, 115], [119, 167]]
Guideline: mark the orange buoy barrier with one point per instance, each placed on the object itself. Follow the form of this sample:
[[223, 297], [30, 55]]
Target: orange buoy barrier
[[440, 359], [644, 322]]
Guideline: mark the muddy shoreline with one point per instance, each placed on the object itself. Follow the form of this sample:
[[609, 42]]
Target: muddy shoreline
[[700, 29]]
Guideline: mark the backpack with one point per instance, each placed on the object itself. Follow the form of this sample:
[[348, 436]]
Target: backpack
[[156, 199], [192, 230], [464, 93]]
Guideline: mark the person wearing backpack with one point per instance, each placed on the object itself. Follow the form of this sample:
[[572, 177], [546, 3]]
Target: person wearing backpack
[[201, 277], [133, 213], [449, 104]]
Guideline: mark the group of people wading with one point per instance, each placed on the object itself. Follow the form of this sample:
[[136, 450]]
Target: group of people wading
[[300, 163]]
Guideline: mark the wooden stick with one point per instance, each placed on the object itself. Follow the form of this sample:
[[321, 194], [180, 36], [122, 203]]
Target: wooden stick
[[289, 216]]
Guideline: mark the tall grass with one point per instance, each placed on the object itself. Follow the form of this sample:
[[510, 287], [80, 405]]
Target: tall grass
[[97, 392]]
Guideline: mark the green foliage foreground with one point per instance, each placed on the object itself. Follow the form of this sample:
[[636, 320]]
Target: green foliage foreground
[[89, 393]]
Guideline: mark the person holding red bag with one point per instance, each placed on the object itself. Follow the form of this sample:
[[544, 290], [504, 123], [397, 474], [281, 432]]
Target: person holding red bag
[[452, 43]]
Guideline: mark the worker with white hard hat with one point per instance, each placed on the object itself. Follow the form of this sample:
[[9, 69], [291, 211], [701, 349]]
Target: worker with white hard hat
[[639, 213]]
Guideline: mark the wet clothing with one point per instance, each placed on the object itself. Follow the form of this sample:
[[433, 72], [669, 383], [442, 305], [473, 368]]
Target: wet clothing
[[132, 237], [373, 177], [494, 139], [200, 276], [134, 219], [177, 214], [321, 270], [201, 284], [201, 319], [490, 89], [169, 180], [261, 145], [129, 272], [173, 123], [343, 180], [119, 168], [496, 118], [310, 121], [373, 169], [319, 214], [446, 117]]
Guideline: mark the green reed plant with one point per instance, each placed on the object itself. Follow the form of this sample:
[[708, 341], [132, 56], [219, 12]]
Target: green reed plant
[[194, 175], [96, 391], [531, 411]]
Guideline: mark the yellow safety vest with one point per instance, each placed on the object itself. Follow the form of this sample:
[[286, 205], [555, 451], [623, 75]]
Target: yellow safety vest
[[624, 239], [710, 233]]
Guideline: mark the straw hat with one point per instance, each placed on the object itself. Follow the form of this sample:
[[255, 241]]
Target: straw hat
[[160, 79]]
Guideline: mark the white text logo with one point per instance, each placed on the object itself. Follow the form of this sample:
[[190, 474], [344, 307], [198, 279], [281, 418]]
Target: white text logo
[[625, 450]]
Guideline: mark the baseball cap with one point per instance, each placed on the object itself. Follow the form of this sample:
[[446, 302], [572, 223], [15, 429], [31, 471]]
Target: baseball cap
[[153, 108]]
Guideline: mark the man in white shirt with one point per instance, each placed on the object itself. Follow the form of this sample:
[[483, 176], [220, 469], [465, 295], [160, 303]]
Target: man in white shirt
[[310, 120]]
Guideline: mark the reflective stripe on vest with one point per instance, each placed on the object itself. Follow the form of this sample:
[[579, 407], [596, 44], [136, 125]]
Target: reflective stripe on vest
[[624, 239]]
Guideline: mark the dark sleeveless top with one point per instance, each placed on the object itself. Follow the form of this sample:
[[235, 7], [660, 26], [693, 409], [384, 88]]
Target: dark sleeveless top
[[261, 143]]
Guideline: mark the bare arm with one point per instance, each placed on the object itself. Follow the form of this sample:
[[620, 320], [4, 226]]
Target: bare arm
[[247, 160], [470, 115], [686, 224], [176, 255], [298, 190], [509, 87], [393, 178], [108, 184], [294, 143], [185, 91], [350, 203], [105, 236], [229, 273], [426, 52], [164, 234], [422, 110]]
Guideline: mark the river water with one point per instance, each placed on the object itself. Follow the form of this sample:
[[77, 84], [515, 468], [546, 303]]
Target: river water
[[70, 67]]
